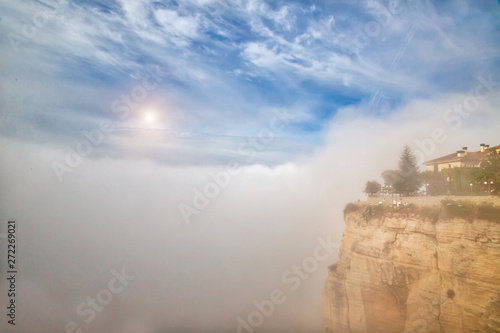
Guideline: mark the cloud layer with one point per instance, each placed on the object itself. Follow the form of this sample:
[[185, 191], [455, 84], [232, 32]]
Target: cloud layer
[[110, 214]]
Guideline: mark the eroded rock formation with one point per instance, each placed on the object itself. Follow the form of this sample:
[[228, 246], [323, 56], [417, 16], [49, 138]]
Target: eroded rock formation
[[402, 273]]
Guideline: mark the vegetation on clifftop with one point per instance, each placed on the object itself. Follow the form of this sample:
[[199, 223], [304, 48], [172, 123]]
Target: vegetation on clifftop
[[469, 211], [351, 208], [462, 180], [448, 209]]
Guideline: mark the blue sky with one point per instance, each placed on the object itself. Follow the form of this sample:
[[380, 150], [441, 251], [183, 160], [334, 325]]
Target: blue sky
[[226, 66]]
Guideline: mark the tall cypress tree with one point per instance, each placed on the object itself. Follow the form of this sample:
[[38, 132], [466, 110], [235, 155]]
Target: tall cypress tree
[[408, 180]]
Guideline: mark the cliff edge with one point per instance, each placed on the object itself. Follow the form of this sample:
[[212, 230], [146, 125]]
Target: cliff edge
[[410, 269]]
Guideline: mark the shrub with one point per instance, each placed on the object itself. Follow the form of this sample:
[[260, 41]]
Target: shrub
[[373, 212], [469, 211], [406, 209], [350, 208], [431, 213], [486, 211], [459, 209]]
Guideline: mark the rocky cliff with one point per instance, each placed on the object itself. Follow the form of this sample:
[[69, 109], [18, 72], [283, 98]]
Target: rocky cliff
[[403, 272]]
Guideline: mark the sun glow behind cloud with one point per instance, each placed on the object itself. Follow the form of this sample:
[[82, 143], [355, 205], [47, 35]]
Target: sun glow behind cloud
[[150, 117]]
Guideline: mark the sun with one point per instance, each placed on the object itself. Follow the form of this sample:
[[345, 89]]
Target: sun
[[150, 117]]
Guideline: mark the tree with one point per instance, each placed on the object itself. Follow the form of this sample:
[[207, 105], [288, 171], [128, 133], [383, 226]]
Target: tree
[[372, 187], [408, 177], [435, 183], [390, 177], [460, 178], [490, 172]]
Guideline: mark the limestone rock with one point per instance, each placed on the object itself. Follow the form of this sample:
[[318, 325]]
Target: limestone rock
[[406, 274]]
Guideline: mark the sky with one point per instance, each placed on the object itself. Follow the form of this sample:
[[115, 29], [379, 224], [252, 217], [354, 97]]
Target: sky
[[205, 146]]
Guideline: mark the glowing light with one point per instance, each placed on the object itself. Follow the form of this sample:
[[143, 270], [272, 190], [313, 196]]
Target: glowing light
[[150, 117]]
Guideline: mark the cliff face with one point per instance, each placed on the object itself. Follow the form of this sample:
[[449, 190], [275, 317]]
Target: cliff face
[[401, 273]]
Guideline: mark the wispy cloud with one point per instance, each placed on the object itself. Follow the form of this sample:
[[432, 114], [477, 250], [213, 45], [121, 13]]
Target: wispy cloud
[[223, 64]]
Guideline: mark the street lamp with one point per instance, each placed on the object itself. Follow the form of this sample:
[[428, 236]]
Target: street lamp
[[470, 188], [489, 188]]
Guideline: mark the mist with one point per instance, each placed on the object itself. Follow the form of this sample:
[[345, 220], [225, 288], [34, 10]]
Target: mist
[[115, 224]]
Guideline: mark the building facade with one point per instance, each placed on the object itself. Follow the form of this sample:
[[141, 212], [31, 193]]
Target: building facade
[[462, 158]]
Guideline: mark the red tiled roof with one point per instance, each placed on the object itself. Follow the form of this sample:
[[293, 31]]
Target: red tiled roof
[[471, 157]]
